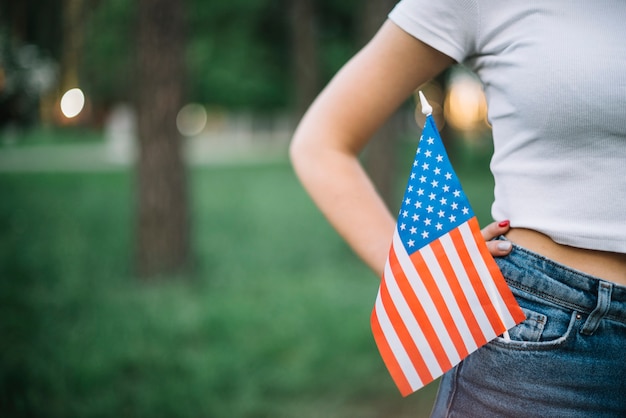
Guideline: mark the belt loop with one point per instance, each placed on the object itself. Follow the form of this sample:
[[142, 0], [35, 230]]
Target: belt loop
[[604, 301]]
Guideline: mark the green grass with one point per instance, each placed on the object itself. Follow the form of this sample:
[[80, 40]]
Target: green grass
[[274, 321]]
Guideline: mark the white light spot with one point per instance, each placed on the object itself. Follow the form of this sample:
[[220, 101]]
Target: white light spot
[[191, 119], [72, 102]]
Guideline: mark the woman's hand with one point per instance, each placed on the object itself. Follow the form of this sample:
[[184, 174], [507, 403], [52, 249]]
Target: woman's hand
[[493, 230]]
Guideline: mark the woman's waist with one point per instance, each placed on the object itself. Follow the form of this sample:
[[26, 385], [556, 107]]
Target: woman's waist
[[601, 264]]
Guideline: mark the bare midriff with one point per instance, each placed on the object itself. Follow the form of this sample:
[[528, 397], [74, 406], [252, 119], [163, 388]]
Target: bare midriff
[[601, 264]]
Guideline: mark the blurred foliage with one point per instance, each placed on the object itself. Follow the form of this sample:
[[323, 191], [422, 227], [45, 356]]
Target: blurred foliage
[[107, 66], [26, 72], [238, 52]]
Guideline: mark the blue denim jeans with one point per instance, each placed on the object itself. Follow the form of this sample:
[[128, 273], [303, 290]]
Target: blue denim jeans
[[567, 359]]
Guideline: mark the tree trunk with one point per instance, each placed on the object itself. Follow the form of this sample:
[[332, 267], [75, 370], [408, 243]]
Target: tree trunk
[[380, 159], [162, 241], [304, 53]]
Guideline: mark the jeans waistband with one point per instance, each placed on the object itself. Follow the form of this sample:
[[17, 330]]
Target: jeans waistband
[[561, 285]]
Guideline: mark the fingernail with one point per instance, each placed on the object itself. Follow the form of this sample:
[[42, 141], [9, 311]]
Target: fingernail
[[503, 224], [504, 245]]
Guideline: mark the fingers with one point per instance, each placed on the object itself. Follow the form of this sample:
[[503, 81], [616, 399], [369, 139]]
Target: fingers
[[493, 230], [499, 248]]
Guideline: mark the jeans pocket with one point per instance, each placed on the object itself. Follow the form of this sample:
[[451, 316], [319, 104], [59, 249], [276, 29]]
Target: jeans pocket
[[546, 326], [531, 329]]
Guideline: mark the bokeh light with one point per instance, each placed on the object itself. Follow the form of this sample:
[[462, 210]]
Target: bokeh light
[[191, 119], [466, 106], [72, 102]]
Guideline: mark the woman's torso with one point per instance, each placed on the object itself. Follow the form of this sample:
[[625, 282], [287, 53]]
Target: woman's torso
[[601, 264]]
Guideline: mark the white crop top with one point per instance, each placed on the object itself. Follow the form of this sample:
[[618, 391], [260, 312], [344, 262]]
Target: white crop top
[[554, 73]]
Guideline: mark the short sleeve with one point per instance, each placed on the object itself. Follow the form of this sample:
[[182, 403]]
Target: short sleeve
[[449, 26]]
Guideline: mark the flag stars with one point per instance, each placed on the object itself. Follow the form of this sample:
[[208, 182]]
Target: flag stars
[[433, 200]]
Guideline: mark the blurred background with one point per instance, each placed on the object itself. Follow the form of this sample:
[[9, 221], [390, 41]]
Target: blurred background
[[158, 258]]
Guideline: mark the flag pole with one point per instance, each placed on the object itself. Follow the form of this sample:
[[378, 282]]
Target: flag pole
[[427, 110]]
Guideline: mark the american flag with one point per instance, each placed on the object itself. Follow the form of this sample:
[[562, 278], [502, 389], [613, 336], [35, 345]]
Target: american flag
[[442, 295]]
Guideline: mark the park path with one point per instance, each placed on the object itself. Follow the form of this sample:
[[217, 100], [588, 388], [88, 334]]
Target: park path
[[234, 138], [107, 156]]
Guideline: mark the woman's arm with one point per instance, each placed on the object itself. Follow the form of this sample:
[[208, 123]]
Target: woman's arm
[[338, 125]]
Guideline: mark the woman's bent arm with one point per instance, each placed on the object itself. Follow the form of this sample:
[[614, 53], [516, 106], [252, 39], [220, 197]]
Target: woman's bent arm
[[338, 125]]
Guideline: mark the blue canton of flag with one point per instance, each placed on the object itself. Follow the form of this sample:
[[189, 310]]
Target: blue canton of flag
[[434, 202]]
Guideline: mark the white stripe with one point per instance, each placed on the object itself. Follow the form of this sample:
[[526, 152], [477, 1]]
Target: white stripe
[[422, 295], [448, 296], [417, 335], [485, 276], [468, 290], [396, 346], [442, 285]]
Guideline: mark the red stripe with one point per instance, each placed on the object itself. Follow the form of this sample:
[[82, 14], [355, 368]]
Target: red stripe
[[504, 290], [474, 277], [404, 335], [418, 312], [459, 294], [388, 357], [440, 304]]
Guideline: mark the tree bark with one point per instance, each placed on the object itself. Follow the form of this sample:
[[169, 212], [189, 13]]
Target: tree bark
[[380, 158], [162, 239], [304, 53]]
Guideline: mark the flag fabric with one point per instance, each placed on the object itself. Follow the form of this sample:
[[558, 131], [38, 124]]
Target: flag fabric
[[442, 296]]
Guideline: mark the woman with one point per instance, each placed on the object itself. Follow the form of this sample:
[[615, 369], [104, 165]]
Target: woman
[[554, 75]]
